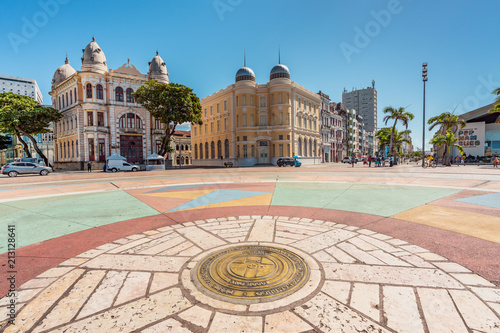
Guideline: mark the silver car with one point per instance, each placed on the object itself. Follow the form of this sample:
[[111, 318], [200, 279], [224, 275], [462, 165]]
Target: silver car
[[16, 168]]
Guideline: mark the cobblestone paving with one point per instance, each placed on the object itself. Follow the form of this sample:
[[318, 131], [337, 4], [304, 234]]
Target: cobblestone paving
[[360, 281]]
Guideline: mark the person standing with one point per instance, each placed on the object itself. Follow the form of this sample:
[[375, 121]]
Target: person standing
[[89, 167], [462, 160], [496, 160], [352, 161], [369, 161]]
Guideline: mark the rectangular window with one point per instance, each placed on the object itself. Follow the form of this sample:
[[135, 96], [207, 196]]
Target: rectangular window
[[211, 110], [245, 153], [251, 100], [281, 137], [253, 151], [91, 149], [218, 125], [251, 120], [280, 99], [211, 127], [225, 105], [263, 120], [206, 129], [218, 108], [205, 112], [100, 119], [262, 101], [280, 118], [280, 149], [244, 120], [102, 150], [90, 118], [225, 123], [195, 131], [244, 138], [272, 99], [244, 100]]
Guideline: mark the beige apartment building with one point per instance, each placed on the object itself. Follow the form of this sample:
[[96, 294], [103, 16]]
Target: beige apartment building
[[249, 123]]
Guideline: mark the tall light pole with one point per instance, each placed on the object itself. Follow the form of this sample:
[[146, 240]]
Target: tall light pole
[[424, 78]]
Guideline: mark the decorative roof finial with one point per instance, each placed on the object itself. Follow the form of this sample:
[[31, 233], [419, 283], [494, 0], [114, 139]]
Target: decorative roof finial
[[244, 58], [279, 54], [156, 51], [66, 61], [93, 38]]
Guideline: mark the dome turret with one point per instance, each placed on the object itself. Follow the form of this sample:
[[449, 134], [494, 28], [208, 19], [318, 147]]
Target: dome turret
[[158, 69], [279, 71], [62, 73], [93, 58], [245, 73]]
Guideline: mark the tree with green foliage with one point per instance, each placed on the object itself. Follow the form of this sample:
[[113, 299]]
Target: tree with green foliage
[[448, 141], [171, 103], [23, 116], [383, 136], [398, 115], [496, 108], [446, 121]]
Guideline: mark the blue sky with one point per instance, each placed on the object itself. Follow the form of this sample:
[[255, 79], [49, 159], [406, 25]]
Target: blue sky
[[327, 45]]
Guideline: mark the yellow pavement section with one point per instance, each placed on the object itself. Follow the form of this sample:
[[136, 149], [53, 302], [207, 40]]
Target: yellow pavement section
[[180, 194], [473, 224], [258, 200]]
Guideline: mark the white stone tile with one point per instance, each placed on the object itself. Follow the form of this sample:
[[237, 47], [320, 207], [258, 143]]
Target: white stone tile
[[366, 232], [201, 238], [192, 251], [401, 310], [361, 255], [55, 272], [323, 256], [471, 279], [197, 316], [69, 305], [431, 256], [405, 276], [135, 286], [323, 241], [337, 289], [495, 306], [103, 296], [439, 311], [365, 298], [22, 296], [475, 313], [379, 243], [163, 281], [136, 236], [175, 250], [37, 283], [283, 240], [340, 255], [381, 237], [361, 244], [262, 231], [417, 261], [137, 263], [74, 262], [396, 242], [487, 294], [388, 258], [127, 317], [331, 316], [129, 245], [225, 323], [169, 325], [158, 245], [285, 322], [451, 267], [413, 248], [107, 247], [292, 235]]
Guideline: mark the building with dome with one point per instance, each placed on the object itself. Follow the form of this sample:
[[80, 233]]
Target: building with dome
[[100, 116], [249, 123]]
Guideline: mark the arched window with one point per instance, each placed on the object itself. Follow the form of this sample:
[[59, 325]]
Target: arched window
[[300, 146], [305, 146], [70, 97], [212, 150], [75, 96], [226, 148], [64, 150], [99, 92], [72, 149], [67, 100], [219, 149], [176, 147], [130, 98], [60, 150], [119, 94], [201, 151], [196, 151], [130, 120], [89, 90], [186, 160], [76, 146], [206, 150], [60, 105]]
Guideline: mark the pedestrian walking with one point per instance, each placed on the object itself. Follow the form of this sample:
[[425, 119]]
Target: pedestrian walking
[[89, 167], [390, 161], [369, 161], [352, 161], [496, 160], [462, 160], [383, 161]]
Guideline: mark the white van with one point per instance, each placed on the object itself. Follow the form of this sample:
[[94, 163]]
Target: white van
[[121, 165]]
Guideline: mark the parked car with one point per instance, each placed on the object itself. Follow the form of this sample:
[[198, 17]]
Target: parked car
[[121, 165], [348, 160], [17, 168], [284, 161]]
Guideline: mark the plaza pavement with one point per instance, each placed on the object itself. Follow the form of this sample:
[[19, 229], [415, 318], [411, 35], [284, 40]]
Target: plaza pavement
[[398, 249]]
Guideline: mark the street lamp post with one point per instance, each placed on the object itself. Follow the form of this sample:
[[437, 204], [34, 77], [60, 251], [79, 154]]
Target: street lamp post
[[424, 79]]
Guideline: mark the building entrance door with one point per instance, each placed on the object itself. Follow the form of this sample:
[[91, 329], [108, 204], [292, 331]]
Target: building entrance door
[[131, 148], [263, 156]]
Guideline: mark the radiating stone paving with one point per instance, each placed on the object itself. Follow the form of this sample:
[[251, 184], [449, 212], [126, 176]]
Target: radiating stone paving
[[369, 282]]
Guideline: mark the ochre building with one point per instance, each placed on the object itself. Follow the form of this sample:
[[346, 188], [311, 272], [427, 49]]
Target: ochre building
[[249, 123], [100, 115]]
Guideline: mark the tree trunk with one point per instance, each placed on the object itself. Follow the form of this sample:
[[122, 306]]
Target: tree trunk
[[166, 140], [24, 144], [35, 146], [392, 144], [447, 160]]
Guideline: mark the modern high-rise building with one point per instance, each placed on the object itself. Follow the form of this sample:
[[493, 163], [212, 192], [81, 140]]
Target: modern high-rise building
[[364, 101], [21, 86]]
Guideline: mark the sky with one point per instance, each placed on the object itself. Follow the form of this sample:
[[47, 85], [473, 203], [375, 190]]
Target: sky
[[327, 45]]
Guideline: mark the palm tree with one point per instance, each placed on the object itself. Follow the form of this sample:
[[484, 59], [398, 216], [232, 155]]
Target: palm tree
[[398, 115], [384, 137], [496, 109], [447, 141], [447, 121], [399, 139]]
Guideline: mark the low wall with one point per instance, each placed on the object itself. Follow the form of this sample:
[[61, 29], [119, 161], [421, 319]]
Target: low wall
[[77, 166]]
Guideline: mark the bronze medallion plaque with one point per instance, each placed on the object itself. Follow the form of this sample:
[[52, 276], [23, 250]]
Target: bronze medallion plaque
[[252, 272]]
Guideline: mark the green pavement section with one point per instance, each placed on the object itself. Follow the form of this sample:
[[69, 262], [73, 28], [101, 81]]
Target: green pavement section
[[382, 200], [37, 220]]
